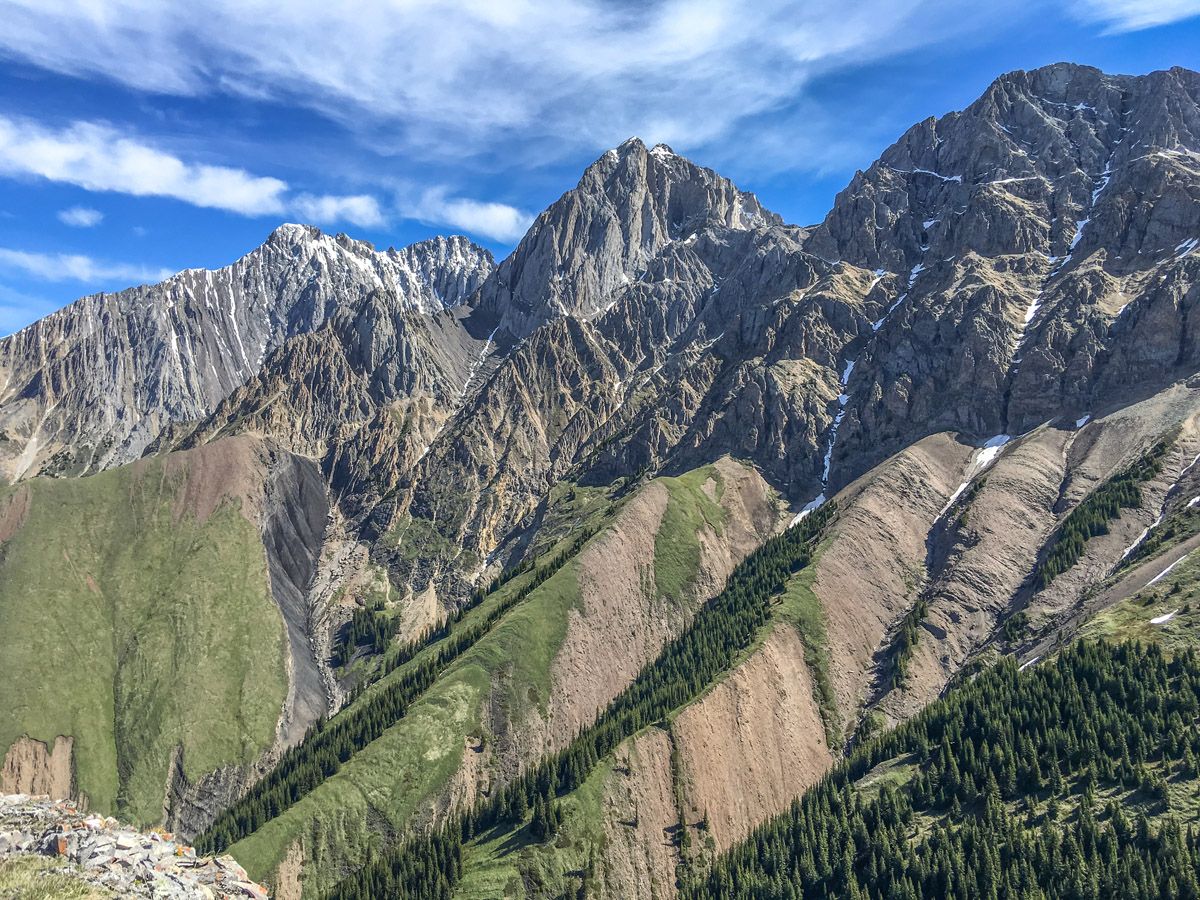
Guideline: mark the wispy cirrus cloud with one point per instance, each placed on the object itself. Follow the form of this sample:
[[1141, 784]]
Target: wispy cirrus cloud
[[455, 80], [76, 267], [80, 217], [97, 157], [1135, 15]]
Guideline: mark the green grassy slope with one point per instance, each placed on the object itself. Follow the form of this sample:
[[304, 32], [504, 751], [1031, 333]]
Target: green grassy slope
[[1176, 595], [377, 793], [43, 878], [137, 630]]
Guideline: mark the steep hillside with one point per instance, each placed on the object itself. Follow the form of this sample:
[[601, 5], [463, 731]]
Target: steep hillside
[[534, 674], [521, 530], [509, 837], [136, 603]]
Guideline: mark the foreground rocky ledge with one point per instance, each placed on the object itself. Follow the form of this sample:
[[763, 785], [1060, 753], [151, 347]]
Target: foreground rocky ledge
[[127, 862]]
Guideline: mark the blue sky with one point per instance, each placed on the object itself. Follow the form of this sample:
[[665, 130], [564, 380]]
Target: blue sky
[[138, 137]]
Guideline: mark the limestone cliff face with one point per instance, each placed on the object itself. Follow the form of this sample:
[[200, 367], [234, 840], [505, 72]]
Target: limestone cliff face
[[660, 373]]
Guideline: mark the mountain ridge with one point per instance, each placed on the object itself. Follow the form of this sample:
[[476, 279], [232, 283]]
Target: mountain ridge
[[199, 335], [573, 449]]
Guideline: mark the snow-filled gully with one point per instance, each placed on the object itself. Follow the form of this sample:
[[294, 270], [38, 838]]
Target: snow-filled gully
[[981, 459], [844, 398]]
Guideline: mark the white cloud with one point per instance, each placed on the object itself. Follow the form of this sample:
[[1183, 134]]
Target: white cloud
[[359, 209], [80, 217], [96, 157], [498, 221], [451, 80], [1134, 15], [75, 267]]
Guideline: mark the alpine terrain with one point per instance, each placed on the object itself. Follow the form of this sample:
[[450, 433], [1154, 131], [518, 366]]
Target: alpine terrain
[[683, 552]]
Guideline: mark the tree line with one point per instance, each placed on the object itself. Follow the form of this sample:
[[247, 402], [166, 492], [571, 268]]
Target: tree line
[[1091, 517], [720, 632], [330, 744]]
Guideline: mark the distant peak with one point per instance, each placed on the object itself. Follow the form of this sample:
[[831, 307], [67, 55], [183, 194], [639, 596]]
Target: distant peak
[[444, 245], [663, 150], [293, 231]]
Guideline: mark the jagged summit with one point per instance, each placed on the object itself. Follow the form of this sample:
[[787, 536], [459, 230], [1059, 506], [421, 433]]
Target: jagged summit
[[1033, 150], [101, 378], [628, 205]]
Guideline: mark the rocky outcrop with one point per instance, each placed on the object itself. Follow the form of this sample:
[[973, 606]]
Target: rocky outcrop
[[129, 863]]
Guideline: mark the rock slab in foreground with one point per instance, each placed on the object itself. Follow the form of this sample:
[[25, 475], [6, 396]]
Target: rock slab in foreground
[[128, 862]]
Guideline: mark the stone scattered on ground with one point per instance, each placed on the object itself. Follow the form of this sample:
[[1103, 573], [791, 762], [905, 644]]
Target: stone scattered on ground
[[127, 862]]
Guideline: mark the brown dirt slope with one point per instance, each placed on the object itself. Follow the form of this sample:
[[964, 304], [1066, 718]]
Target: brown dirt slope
[[987, 546], [754, 742], [639, 811], [871, 571], [30, 767], [620, 622]]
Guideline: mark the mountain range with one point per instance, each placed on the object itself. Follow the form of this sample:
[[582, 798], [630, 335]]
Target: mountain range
[[318, 553]]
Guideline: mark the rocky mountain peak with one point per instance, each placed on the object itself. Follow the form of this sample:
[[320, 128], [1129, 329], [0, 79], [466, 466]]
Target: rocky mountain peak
[[1017, 171], [92, 385], [630, 204]]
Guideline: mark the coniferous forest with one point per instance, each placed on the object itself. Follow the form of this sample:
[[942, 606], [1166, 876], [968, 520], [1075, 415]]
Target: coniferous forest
[[1093, 515], [720, 632], [1054, 782]]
